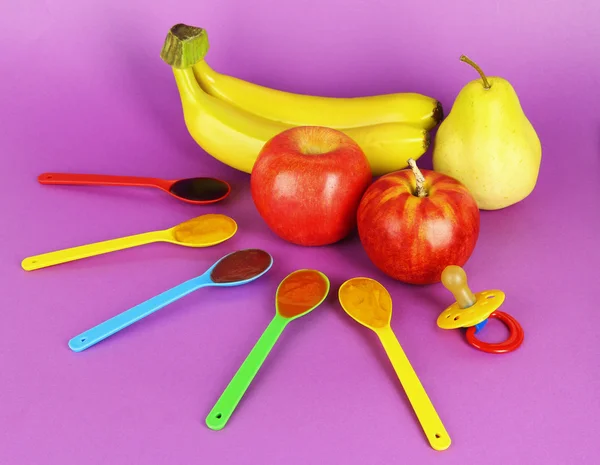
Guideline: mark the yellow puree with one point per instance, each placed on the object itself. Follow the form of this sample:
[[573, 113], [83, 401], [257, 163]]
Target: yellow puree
[[367, 301], [205, 229]]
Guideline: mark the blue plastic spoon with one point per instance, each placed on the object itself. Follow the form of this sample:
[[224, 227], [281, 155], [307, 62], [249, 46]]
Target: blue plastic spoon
[[234, 269]]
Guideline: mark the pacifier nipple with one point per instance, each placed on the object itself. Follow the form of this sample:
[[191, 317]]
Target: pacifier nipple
[[454, 279]]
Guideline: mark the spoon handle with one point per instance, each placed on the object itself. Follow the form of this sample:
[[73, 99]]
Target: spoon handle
[[226, 404], [128, 317], [98, 248], [101, 180], [430, 421]]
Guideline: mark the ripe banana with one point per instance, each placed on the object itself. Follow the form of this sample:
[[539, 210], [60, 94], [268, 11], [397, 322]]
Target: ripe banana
[[309, 110], [235, 137]]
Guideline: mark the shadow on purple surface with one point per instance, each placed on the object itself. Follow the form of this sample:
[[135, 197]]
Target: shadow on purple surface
[[150, 81], [434, 297]]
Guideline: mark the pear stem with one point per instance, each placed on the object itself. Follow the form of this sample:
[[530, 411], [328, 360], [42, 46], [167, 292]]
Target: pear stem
[[421, 192], [486, 83]]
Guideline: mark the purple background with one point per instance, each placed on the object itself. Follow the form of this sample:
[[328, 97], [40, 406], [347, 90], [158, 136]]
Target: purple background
[[84, 90]]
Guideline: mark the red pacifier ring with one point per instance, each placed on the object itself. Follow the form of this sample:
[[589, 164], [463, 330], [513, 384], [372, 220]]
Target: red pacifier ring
[[514, 340]]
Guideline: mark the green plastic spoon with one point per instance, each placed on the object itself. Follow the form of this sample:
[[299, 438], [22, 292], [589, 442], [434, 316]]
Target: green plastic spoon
[[298, 294]]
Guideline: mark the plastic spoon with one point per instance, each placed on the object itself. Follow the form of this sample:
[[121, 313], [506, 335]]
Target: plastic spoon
[[235, 269], [202, 231], [299, 293], [370, 304], [199, 191]]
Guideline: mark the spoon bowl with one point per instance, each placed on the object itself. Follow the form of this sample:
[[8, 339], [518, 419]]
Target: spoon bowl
[[369, 303], [297, 295], [202, 231], [301, 292], [235, 269], [198, 191]]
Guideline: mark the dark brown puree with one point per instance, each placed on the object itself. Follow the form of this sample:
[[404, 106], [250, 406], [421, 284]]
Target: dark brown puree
[[241, 265], [202, 189]]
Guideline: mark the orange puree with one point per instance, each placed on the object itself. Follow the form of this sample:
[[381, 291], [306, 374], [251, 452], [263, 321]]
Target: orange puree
[[300, 292], [204, 229], [367, 301]]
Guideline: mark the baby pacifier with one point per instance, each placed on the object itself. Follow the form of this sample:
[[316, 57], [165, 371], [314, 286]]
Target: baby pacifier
[[473, 311]]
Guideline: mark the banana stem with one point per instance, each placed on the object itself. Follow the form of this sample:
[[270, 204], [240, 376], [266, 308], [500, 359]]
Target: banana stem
[[184, 46], [421, 191], [486, 83]]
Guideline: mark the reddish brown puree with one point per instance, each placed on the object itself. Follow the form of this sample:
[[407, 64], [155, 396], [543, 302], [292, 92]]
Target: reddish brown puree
[[300, 292], [241, 265]]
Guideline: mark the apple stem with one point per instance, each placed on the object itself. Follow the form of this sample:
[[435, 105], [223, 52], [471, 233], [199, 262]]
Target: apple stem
[[421, 192], [486, 83]]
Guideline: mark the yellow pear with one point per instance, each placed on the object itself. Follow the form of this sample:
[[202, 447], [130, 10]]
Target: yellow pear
[[488, 144]]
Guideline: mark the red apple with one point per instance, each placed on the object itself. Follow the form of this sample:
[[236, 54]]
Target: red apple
[[307, 183], [412, 228]]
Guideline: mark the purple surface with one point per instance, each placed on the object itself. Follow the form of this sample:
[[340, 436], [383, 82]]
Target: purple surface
[[84, 90]]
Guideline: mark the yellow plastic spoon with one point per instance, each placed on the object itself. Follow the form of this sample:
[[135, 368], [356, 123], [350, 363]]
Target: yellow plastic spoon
[[202, 231], [370, 304]]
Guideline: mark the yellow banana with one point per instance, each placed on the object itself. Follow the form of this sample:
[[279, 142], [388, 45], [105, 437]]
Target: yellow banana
[[309, 110], [235, 137]]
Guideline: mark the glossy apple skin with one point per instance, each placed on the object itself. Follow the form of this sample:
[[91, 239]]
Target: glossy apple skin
[[413, 239], [310, 199]]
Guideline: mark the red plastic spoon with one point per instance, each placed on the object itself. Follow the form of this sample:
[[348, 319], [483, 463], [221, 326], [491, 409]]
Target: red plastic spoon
[[191, 190]]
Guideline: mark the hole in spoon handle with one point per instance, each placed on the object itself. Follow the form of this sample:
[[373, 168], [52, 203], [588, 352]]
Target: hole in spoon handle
[[217, 420], [81, 342], [29, 264], [440, 441]]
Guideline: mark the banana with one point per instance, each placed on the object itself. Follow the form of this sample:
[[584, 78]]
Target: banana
[[235, 136], [309, 110]]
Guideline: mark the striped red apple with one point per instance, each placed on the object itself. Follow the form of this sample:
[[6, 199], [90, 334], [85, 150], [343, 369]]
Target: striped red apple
[[413, 223]]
